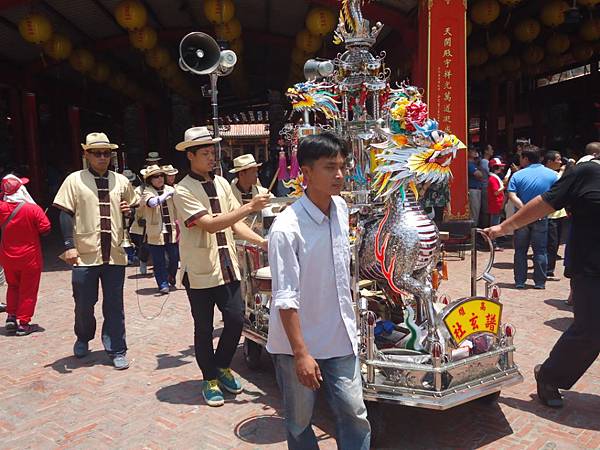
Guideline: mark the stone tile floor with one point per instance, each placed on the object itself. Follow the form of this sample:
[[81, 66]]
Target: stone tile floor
[[48, 399]]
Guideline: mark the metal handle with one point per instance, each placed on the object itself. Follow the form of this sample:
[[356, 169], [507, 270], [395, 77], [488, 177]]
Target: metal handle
[[474, 277]]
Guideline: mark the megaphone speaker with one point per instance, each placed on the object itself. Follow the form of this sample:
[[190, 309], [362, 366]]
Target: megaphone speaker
[[314, 69], [199, 53]]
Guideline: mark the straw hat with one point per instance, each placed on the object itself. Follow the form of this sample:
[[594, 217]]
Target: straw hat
[[153, 157], [152, 170], [244, 162], [129, 174], [170, 170], [196, 136], [98, 140]]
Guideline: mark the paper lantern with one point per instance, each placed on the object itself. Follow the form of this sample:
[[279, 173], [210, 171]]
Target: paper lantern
[[498, 44], [320, 21], [308, 43], [477, 56], [35, 28], [510, 63], [81, 60], [527, 30], [533, 54], [219, 11], [484, 12], [143, 39], [510, 3], [229, 31], [590, 30], [118, 81], [131, 14], [157, 58], [469, 27], [100, 72], [169, 71], [237, 46], [583, 52], [58, 47], [588, 3], [558, 43], [553, 13]]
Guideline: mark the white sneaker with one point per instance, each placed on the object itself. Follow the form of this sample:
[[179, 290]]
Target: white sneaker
[[143, 268]]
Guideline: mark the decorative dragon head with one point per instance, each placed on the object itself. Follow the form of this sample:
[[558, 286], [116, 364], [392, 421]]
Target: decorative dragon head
[[317, 97], [413, 150]]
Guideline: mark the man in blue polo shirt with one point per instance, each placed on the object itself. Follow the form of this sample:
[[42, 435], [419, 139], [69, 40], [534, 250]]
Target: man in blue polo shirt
[[532, 180]]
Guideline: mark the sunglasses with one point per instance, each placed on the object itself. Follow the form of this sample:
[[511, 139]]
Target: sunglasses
[[105, 154]]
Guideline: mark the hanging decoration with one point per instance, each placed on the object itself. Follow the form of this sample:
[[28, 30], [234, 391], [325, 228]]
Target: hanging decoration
[[35, 28], [527, 30], [59, 47], [307, 42], [320, 21], [558, 43], [498, 44], [143, 39], [553, 13], [219, 11], [81, 60], [131, 14], [484, 12], [533, 54]]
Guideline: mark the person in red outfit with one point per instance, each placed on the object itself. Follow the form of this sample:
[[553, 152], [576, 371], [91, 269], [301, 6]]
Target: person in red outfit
[[495, 193], [23, 221]]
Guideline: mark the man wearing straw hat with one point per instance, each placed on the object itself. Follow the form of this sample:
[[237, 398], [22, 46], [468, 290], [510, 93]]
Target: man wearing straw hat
[[152, 158], [93, 203], [209, 215], [170, 174], [245, 186], [159, 212]]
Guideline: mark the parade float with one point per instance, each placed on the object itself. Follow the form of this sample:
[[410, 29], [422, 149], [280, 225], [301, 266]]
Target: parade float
[[416, 347]]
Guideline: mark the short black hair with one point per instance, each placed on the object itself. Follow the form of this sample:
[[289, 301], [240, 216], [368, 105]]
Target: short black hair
[[550, 156], [317, 146], [532, 153]]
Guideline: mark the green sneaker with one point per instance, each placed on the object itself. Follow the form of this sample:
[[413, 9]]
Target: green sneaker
[[229, 382], [212, 394]]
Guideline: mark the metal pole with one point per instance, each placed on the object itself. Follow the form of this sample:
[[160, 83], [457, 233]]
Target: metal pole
[[473, 262], [215, 108]]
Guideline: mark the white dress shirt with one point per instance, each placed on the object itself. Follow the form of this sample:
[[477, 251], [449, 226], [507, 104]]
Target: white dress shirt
[[309, 255]]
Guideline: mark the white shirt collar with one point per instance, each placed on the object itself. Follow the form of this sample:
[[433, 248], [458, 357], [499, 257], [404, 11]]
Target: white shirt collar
[[313, 210]]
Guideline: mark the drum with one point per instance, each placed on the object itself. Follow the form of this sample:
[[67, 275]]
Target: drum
[[261, 280]]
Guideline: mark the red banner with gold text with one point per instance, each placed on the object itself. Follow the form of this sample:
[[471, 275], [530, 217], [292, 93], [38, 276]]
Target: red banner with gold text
[[447, 88]]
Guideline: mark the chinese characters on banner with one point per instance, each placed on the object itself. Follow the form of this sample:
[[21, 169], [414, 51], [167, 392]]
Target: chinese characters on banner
[[447, 88], [477, 315]]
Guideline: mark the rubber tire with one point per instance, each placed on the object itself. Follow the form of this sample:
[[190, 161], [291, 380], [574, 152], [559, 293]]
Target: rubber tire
[[377, 420], [252, 354], [490, 398]]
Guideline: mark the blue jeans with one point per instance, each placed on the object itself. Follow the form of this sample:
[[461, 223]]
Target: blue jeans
[[85, 280], [343, 390], [536, 234], [161, 271]]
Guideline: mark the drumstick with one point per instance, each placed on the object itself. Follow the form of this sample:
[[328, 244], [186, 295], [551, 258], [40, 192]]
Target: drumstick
[[274, 179]]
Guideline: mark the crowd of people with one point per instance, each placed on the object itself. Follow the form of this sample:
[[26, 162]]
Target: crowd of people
[[188, 230]]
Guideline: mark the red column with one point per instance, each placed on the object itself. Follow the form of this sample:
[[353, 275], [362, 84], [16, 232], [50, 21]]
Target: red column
[[75, 128], [32, 145], [447, 88]]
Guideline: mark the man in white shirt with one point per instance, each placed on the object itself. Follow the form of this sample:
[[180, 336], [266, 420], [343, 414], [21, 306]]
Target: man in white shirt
[[312, 328]]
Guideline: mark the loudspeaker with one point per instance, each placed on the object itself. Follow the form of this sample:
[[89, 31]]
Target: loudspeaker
[[314, 69], [199, 53]]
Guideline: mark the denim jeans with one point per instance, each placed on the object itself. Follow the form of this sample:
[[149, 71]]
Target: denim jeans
[[161, 271], [475, 204], [343, 390], [536, 235], [554, 233], [85, 280]]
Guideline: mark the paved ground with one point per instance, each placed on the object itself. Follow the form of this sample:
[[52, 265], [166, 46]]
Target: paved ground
[[48, 399]]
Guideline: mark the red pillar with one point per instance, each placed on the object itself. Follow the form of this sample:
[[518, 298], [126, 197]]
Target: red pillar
[[75, 128], [32, 145], [447, 87]]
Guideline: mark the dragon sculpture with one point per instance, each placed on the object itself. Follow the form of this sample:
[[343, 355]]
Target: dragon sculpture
[[316, 97]]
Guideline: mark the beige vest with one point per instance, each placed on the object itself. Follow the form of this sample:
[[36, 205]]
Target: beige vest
[[154, 220]]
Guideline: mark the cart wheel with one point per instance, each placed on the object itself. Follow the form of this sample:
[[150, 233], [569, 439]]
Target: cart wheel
[[377, 420], [490, 398], [252, 352]]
